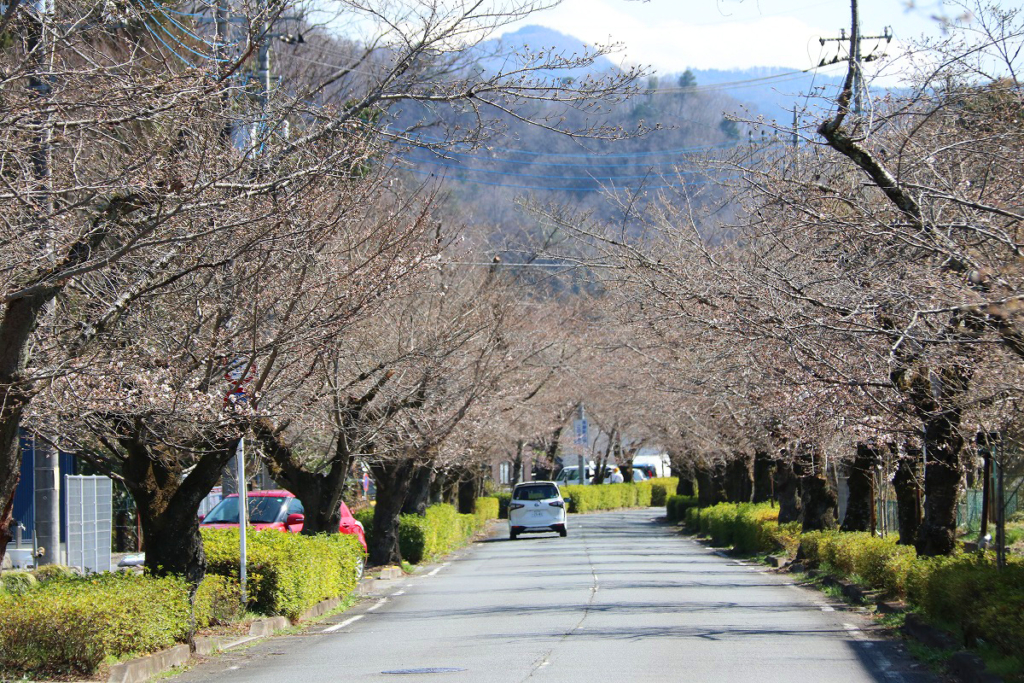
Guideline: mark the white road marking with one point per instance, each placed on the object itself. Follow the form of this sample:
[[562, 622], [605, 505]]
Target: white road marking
[[827, 608], [854, 631], [343, 624], [380, 603], [397, 593], [437, 569]]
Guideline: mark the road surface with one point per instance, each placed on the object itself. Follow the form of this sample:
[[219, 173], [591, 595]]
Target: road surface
[[622, 599]]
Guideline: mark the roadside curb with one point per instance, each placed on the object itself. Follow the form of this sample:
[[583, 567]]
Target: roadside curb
[[963, 665], [146, 667]]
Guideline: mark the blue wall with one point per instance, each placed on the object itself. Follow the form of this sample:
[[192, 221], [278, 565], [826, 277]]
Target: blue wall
[[24, 504]]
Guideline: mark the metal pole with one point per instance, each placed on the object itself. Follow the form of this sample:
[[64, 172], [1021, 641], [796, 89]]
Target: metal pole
[[858, 77], [47, 503], [243, 516], [1000, 515]]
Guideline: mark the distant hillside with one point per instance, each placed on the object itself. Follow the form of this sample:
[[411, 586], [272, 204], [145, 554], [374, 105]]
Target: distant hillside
[[771, 92], [503, 54]]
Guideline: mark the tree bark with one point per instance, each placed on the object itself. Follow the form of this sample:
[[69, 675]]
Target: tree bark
[[517, 464], [818, 502], [942, 474], [319, 491], [709, 485], [467, 493], [392, 478], [763, 471], [739, 482], [167, 501], [861, 502], [908, 495], [419, 491], [787, 490], [685, 487]]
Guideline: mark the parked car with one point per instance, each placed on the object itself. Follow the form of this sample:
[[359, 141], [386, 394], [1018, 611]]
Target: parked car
[[536, 507], [649, 470], [276, 509]]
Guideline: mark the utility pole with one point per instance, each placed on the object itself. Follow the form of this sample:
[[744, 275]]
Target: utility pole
[[855, 56]]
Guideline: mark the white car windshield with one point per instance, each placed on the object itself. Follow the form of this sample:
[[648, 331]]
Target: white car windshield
[[539, 492]]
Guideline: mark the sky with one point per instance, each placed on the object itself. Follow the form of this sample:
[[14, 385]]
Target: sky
[[672, 35]]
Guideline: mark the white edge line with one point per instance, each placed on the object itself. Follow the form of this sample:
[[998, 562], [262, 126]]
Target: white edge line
[[397, 593], [343, 624], [380, 603], [434, 571]]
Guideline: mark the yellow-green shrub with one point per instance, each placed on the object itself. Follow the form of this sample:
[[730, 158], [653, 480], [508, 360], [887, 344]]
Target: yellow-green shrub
[[486, 508], [287, 573], [73, 624], [218, 601], [441, 530], [676, 507], [661, 489]]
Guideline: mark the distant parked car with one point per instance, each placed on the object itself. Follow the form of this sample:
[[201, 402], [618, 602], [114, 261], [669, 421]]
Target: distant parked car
[[276, 509], [536, 507], [649, 470]]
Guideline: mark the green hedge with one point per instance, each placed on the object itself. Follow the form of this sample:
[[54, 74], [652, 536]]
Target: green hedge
[[676, 507], [503, 500], [661, 489], [72, 625], [441, 530], [751, 528], [287, 573], [486, 508], [607, 496], [964, 591]]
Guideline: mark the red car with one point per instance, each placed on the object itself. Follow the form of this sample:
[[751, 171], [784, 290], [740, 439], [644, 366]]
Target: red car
[[277, 509]]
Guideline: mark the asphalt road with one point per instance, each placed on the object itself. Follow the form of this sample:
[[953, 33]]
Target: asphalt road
[[622, 599]]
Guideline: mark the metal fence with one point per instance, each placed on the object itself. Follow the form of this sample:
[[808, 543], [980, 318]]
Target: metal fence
[[89, 514]]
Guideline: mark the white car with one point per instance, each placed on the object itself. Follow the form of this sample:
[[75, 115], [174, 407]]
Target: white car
[[536, 507]]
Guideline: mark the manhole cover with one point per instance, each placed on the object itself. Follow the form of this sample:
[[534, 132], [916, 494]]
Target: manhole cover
[[425, 670]]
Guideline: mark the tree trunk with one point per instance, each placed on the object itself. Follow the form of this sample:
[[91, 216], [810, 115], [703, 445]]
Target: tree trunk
[[685, 487], [167, 503], [517, 464], [467, 493], [392, 478], [861, 502], [763, 471], [787, 490], [943, 471], [709, 485], [739, 483], [818, 502], [419, 491], [319, 491], [908, 495]]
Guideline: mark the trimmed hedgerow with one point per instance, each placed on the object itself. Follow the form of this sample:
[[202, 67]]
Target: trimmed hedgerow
[[287, 573], [503, 500], [486, 508], [661, 489], [441, 530], [71, 625], [964, 591], [676, 507], [589, 498]]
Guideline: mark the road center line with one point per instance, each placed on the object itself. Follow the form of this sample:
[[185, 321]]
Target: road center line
[[343, 624]]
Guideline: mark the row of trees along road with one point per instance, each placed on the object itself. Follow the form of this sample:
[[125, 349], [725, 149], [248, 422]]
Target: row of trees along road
[[854, 297], [168, 209]]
